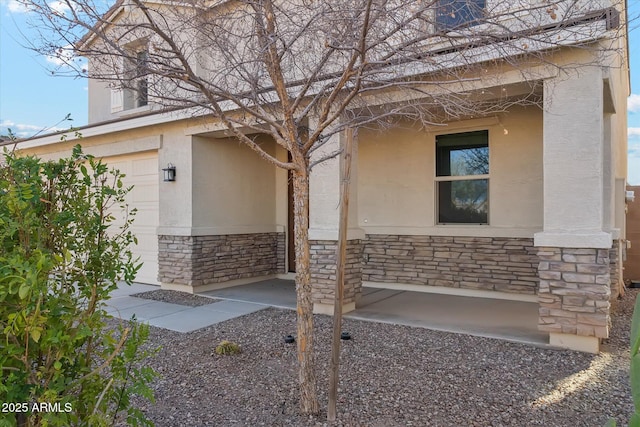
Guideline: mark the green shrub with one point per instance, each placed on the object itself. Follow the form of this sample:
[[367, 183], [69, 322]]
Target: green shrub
[[62, 252], [227, 347], [634, 368], [635, 364]]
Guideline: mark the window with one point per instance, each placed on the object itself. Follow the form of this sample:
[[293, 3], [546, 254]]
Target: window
[[134, 89], [455, 14], [462, 178], [137, 93]]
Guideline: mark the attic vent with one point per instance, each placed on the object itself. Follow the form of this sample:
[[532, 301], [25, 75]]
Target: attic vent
[[612, 17]]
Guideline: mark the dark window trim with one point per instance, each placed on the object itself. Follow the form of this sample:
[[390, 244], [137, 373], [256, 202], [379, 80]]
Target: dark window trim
[[444, 179]]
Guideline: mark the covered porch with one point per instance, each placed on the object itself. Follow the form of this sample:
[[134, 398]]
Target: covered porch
[[509, 320], [499, 209]]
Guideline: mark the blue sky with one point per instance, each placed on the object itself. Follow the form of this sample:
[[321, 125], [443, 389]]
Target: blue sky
[[33, 101]]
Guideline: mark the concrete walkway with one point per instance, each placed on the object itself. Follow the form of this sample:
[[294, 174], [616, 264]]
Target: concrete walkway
[[503, 319], [175, 317]]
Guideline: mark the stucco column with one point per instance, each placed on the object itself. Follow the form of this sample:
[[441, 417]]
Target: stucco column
[[175, 244], [324, 212], [573, 247]]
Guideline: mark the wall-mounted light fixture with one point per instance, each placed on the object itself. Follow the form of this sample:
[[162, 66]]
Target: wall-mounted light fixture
[[169, 172]]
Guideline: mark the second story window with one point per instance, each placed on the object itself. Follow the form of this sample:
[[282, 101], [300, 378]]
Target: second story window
[[142, 94], [456, 14], [136, 93], [131, 91]]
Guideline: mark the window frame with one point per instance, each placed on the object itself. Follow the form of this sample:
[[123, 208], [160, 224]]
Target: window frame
[[443, 23], [136, 95], [438, 179]]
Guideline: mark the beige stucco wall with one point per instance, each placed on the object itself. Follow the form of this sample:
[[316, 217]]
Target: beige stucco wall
[[232, 185], [176, 197], [396, 188], [621, 90], [579, 159], [99, 101], [221, 186]]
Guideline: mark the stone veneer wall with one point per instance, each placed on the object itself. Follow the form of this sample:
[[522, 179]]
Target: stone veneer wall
[[614, 262], [574, 291], [323, 271], [493, 263], [203, 260]]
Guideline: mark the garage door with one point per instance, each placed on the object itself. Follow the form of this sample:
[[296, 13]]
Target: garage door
[[141, 171]]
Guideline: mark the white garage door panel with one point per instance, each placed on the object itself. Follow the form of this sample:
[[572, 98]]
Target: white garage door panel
[[146, 196], [144, 217], [141, 171]]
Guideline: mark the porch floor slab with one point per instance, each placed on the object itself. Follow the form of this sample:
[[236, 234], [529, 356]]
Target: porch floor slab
[[502, 319], [495, 318]]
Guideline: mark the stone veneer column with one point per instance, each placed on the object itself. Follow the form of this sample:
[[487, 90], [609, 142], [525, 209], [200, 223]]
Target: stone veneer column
[[324, 209], [323, 275], [616, 270], [574, 270], [574, 293]]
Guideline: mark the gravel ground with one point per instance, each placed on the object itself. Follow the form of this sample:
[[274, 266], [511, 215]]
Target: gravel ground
[[390, 376], [176, 297]]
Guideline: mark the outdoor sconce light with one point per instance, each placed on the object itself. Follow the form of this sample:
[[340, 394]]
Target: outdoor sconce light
[[169, 172]]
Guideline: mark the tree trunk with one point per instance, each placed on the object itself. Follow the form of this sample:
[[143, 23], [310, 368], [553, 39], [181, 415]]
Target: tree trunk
[[307, 377], [341, 256]]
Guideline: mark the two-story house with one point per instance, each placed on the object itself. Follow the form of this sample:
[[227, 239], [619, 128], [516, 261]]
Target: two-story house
[[525, 201]]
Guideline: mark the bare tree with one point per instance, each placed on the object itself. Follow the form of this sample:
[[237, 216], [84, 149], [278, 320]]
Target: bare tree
[[303, 71]]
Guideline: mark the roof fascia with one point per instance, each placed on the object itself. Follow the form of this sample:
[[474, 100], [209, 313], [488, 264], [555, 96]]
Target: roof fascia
[[111, 14]]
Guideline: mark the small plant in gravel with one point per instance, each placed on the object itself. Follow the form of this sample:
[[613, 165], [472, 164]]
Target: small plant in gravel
[[61, 255], [227, 348]]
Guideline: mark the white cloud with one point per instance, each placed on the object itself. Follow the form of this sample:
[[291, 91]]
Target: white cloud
[[633, 132], [633, 157], [15, 6], [65, 57], [22, 127], [633, 172], [18, 129], [22, 130], [59, 7], [633, 103]]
